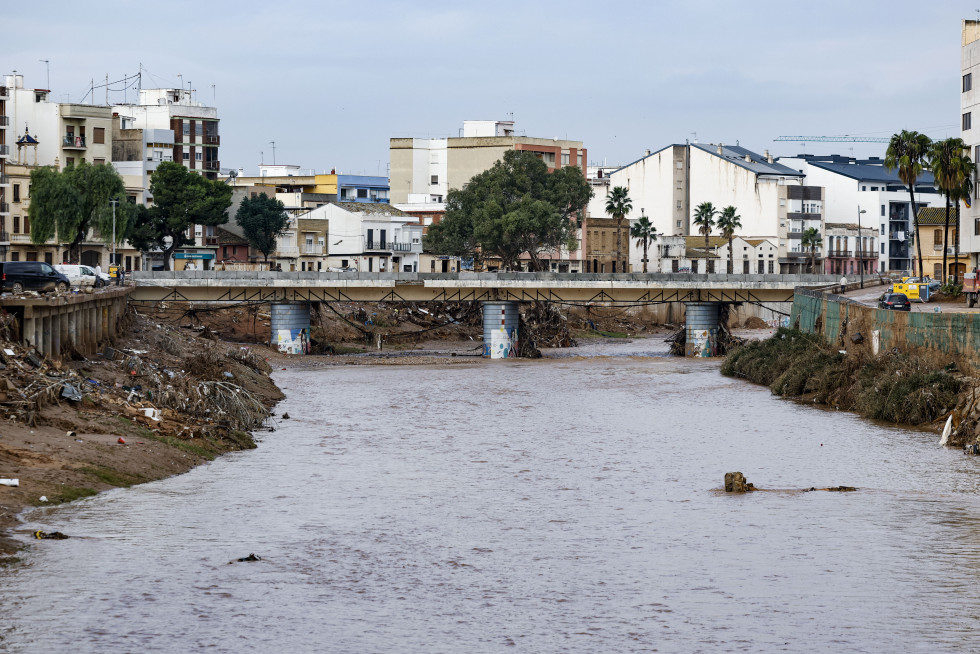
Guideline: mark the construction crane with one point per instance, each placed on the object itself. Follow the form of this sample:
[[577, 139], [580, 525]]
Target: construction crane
[[833, 139]]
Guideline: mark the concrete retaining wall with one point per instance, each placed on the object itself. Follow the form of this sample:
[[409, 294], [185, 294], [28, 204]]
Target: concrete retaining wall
[[837, 319], [54, 322]]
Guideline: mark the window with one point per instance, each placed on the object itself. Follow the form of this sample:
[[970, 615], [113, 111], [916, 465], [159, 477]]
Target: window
[[16, 224], [225, 255], [27, 225], [678, 206], [69, 161], [362, 193], [680, 165], [198, 156], [967, 121], [98, 162], [937, 239], [98, 135], [434, 179], [882, 210], [15, 256], [882, 229], [187, 156], [864, 188], [564, 159], [967, 82], [16, 192]]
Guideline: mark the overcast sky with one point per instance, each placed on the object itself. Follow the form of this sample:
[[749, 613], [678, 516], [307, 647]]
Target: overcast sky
[[330, 83]]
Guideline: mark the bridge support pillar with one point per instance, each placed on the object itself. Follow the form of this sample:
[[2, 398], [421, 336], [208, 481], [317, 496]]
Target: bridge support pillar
[[500, 320], [701, 337], [290, 324]]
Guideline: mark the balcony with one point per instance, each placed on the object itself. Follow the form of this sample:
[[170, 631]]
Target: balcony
[[378, 246], [4, 150], [212, 140], [71, 142], [401, 247], [4, 180], [214, 164], [287, 251], [210, 240], [804, 215], [20, 238], [4, 121], [4, 207], [314, 249], [4, 95], [4, 237]]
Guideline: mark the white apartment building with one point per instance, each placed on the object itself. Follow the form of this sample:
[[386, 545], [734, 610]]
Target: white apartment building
[[772, 200], [863, 192], [970, 111], [195, 126], [370, 237]]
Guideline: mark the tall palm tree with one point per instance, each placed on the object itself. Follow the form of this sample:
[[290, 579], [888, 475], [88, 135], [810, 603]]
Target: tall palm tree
[[618, 204], [811, 240], [909, 152], [704, 218], [645, 233], [953, 170], [728, 222]]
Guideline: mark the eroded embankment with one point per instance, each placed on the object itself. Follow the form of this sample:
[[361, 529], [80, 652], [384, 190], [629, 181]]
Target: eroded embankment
[[163, 399], [900, 388]]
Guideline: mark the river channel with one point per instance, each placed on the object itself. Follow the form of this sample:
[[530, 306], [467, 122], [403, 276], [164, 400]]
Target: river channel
[[570, 504]]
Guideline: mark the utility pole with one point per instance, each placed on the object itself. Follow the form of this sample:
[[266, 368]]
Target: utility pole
[[114, 202], [273, 144]]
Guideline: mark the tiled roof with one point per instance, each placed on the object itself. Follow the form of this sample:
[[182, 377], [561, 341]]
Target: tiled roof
[[229, 238], [936, 216], [370, 208]]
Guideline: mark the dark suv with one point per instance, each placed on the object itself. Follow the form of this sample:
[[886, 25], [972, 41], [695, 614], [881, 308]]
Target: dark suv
[[20, 276], [895, 302]]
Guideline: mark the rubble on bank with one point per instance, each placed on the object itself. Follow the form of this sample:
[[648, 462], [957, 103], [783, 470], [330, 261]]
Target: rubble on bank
[[157, 401]]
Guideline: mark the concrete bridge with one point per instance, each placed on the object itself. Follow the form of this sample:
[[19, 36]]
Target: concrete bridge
[[574, 288], [290, 293]]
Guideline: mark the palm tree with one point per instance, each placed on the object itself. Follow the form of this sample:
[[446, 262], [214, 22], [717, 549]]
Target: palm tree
[[728, 222], [909, 151], [953, 170], [704, 218], [618, 204], [644, 232], [811, 239]]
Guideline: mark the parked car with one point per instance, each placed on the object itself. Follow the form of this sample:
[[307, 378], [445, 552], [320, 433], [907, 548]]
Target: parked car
[[80, 275], [20, 276], [933, 284], [894, 302]]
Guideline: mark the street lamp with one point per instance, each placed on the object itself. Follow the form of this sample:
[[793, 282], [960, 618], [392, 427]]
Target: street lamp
[[860, 246]]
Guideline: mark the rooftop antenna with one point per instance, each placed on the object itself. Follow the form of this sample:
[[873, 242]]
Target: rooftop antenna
[[695, 135], [213, 101], [47, 65], [273, 144]]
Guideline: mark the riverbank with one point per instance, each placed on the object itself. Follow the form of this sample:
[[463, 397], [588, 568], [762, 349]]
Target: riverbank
[[899, 388], [160, 401]]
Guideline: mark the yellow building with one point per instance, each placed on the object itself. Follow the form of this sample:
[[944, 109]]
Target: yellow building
[[931, 226]]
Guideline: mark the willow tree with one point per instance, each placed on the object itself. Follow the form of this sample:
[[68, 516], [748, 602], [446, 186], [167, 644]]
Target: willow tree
[[909, 152], [65, 205]]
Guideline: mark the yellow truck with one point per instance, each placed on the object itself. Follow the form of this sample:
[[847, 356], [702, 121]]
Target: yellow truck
[[912, 289]]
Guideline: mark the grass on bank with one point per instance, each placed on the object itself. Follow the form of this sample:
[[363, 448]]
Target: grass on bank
[[899, 388]]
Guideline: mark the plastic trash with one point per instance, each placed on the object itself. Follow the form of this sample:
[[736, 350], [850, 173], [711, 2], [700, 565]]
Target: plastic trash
[[71, 392], [9, 482], [228, 375], [121, 441], [152, 414], [43, 498]]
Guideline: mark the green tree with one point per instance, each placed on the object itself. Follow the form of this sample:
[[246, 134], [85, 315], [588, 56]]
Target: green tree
[[811, 240], [66, 205], [618, 205], [953, 170], [515, 207], [645, 233], [728, 222], [908, 152], [263, 220], [181, 198], [704, 218]]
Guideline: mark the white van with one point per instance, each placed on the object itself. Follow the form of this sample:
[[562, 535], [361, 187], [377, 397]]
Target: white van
[[80, 275]]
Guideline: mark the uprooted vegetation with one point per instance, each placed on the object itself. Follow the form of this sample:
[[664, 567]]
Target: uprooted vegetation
[[894, 387]]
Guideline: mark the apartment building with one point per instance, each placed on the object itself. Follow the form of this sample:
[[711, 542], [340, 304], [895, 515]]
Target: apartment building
[[772, 200], [970, 109], [862, 192], [194, 126], [301, 189], [4, 180], [370, 237]]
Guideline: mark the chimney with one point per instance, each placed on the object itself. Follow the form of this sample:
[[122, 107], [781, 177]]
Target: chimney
[[748, 159], [721, 148], [768, 156]]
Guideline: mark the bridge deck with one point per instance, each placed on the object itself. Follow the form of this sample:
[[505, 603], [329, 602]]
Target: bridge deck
[[623, 288]]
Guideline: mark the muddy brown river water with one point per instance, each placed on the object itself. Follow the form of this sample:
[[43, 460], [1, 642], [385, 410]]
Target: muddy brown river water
[[570, 504]]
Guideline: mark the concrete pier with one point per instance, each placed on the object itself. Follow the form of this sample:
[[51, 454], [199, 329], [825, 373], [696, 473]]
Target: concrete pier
[[52, 323]]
